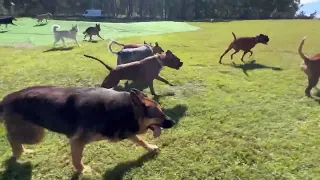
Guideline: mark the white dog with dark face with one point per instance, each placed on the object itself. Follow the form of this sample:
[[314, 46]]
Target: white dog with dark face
[[60, 35]]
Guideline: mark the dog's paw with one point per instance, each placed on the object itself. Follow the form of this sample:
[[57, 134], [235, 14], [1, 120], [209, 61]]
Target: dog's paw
[[152, 147], [28, 151]]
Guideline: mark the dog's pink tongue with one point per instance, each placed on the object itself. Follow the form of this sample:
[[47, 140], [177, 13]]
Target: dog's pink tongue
[[156, 131]]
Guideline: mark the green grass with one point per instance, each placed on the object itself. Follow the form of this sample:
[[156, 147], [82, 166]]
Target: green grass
[[28, 32], [231, 125]]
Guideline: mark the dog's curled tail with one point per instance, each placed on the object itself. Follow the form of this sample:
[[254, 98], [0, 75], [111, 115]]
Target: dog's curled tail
[[234, 36], [55, 27], [302, 55], [105, 65], [110, 44]]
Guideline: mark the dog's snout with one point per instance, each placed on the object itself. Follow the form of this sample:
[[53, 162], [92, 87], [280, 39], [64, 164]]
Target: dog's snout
[[180, 64]]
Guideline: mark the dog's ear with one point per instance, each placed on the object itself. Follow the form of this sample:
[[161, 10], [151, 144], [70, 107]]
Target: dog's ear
[[136, 98], [144, 42], [156, 44]]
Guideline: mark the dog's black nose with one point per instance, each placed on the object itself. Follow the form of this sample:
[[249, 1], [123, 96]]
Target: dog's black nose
[[168, 124], [181, 63]]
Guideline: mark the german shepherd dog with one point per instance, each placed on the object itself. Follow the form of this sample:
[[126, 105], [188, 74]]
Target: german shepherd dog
[[82, 114], [60, 35], [7, 20], [41, 17], [90, 31], [311, 67]]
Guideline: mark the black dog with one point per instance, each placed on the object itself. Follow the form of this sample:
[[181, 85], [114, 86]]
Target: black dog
[[7, 20]]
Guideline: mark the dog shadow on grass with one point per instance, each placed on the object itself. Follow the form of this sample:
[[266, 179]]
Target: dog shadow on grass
[[4, 31], [41, 24], [252, 65], [92, 41], [59, 49], [121, 169], [15, 170]]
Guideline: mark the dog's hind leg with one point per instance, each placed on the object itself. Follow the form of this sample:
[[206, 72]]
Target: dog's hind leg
[[21, 132], [235, 52], [110, 81], [225, 52], [244, 53], [90, 37], [62, 39], [312, 82], [251, 53]]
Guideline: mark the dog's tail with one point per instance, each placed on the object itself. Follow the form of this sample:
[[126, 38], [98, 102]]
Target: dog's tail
[[302, 55], [234, 36], [105, 65], [55, 27], [110, 44]]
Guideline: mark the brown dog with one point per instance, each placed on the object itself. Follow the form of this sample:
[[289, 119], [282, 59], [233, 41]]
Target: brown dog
[[83, 114], [311, 66], [144, 71], [245, 44]]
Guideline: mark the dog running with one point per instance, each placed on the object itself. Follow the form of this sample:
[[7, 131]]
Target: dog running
[[144, 71], [245, 44], [311, 66], [83, 114], [135, 54], [60, 35], [41, 17], [8, 20], [90, 31]]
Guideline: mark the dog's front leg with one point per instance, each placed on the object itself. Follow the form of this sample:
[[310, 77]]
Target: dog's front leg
[[163, 80], [138, 140]]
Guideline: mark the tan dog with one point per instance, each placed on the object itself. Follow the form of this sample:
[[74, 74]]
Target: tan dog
[[144, 71], [311, 66], [245, 44]]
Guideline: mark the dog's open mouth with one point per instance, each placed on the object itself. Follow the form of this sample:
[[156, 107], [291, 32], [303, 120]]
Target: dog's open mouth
[[156, 129]]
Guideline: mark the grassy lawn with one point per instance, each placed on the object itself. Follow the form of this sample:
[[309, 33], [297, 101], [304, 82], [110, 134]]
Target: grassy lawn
[[248, 121], [28, 32]]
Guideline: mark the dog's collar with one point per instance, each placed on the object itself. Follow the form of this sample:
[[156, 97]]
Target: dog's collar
[[159, 60]]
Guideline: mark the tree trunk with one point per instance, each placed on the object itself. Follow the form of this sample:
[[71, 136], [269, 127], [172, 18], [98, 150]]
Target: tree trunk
[[141, 8]]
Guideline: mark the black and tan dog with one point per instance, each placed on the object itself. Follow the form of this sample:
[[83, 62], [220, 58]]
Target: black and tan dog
[[7, 20], [144, 71], [311, 66], [82, 114], [245, 44], [90, 31]]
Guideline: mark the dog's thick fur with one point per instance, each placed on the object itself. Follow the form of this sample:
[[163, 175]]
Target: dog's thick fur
[[82, 114], [127, 55], [245, 44], [7, 20], [41, 17], [311, 66], [90, 31], [60, 35], [144, 71]]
